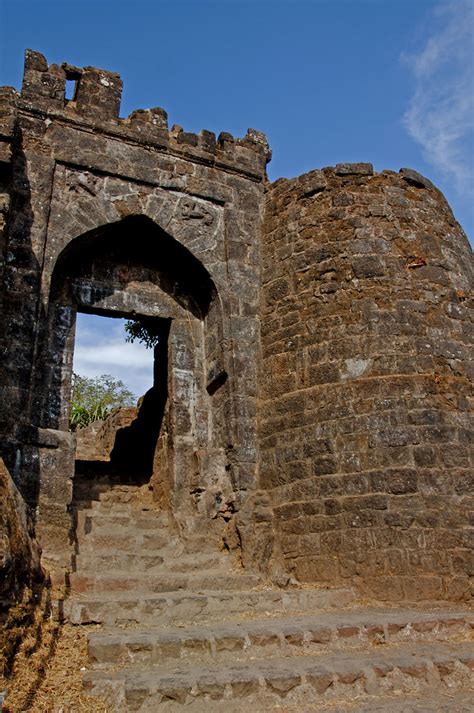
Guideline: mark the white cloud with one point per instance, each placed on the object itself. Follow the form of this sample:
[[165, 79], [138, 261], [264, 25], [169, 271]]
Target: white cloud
[[101, 348], [440, 116], [114, 354]]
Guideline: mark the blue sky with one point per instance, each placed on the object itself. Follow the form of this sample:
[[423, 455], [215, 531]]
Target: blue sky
[[328, 81], [101, 348]]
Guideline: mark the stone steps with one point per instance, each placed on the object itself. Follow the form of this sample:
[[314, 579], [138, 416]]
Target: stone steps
[[408, 668], [125, 528], [122, 581], [127, 540], [88, 520], [446, 701], [130, 507], [179, 623], [93, 560], [190, 607], [277, 636], [101, 492]]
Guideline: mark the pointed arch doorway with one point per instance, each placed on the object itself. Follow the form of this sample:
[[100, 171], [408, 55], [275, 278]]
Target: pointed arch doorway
[[134, 269]]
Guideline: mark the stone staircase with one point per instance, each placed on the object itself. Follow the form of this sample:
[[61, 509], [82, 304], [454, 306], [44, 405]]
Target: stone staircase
[[179, 625]]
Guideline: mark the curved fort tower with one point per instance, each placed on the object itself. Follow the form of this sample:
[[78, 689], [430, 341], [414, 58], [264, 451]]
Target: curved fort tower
[[312, 385]]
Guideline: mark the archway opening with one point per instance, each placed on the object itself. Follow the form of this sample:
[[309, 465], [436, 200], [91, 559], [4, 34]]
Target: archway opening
[[134, 270], [125, 256], [119, 398]]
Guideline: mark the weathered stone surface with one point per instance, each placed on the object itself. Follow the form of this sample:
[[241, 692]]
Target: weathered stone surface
[[310, 409], [19, 551], [354, 169], [129, 218], [21, 575], [365, 314]]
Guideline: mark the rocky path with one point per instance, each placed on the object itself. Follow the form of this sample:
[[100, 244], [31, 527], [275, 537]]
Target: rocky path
[[181, 626]]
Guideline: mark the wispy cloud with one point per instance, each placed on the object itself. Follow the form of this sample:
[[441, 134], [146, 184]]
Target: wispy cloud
[[113, 354], [440, 116]]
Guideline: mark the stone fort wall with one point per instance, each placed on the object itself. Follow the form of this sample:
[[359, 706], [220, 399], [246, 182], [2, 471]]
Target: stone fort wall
[[366, 384], [318, 379], [127, 217]]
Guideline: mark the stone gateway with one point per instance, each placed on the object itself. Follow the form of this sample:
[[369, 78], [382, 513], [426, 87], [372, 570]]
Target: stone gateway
[[310, 413]]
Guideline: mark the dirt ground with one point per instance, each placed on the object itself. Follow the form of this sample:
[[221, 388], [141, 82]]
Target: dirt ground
[[47, 675]]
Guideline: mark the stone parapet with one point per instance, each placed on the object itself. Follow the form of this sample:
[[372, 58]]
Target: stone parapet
[[95, 101]]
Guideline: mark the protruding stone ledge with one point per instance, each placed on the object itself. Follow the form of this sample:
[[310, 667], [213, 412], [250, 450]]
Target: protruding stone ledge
[[415, 178], [313, 182], [52, 438], [354, 169], [318, 180]]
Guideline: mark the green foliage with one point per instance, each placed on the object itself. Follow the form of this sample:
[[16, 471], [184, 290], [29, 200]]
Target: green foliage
[[93, 399], [143, 330], [80, 416]]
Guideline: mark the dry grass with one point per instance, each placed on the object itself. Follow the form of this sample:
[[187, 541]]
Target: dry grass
[[47, 674]]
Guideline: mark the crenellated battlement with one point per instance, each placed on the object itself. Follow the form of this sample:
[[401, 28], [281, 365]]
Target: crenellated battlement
[[96, 93], [93, 97]]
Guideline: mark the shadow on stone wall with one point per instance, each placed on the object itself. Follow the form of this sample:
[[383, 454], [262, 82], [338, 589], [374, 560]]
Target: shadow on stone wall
[[23, 315], [135, 445], [24, 585], [22, 580]]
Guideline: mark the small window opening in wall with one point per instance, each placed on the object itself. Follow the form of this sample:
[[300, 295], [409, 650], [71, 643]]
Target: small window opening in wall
[[217, 382], [72, 83], [71, 89]]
